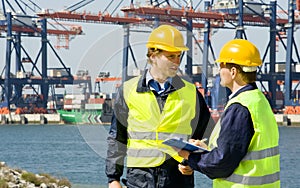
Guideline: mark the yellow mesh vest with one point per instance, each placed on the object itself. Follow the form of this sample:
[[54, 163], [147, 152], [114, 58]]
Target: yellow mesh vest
[[261, 165], [148, 127]]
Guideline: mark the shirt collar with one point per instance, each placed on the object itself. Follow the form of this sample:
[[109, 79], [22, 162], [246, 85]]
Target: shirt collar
[[232, 94], [176, 83], [149, 77]]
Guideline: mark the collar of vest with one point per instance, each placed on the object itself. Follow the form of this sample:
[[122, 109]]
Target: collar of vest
[[250, 86]]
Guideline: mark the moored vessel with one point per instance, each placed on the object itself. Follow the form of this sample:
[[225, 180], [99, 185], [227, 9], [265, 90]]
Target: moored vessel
[[81, 109]]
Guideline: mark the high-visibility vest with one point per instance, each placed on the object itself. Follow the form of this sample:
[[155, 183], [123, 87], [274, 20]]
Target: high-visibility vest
[[261, 166], [148, 127]]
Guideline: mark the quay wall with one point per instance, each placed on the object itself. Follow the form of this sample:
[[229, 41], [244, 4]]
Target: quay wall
[[30, 118], [282, 119], [288, 119]]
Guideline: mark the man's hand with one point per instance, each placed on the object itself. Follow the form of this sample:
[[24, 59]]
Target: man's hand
[[115, 184], [185, 170], [200, 143], [183, 153]]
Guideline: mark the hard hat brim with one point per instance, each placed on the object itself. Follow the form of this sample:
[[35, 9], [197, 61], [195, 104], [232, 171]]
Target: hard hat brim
[[242, 63], [168, 48]]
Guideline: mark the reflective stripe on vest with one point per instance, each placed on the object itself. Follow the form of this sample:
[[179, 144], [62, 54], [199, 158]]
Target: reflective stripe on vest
[[154, 136], [260, 167], [256, 155], [251, 180], [144, 153], [148, 126]]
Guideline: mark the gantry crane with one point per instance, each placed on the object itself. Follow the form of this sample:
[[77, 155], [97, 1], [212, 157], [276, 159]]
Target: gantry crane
[[187, 17], [239, 20], [190, 18], [17, 25]]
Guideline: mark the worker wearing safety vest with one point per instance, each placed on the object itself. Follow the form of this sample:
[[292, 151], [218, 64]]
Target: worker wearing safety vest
[[149, 109], [244, 144]]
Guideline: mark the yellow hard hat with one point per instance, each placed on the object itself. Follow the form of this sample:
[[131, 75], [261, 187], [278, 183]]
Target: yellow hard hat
[[240, 52], [167, 38]]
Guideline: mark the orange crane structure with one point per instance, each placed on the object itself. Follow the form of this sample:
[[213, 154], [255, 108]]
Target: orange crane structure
[[104, 77]]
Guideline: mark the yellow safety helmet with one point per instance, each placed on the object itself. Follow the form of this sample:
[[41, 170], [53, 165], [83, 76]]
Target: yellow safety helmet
[[167, 38], [240, 52]]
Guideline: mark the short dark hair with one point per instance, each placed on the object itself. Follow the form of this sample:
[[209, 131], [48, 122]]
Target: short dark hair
[[248, 77]]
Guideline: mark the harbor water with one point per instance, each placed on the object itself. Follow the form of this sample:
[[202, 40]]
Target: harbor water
[[77, 152]]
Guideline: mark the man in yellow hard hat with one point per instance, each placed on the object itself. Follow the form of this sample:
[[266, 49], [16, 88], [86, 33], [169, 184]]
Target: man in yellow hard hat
[[244, 143], [151, 108]]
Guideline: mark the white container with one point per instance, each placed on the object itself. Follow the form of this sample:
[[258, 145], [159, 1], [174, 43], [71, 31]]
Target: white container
[[72, 106], [297, 68], [93, 106], [197, 70]]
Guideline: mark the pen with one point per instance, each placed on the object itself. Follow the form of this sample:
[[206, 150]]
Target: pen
[[203, 140]]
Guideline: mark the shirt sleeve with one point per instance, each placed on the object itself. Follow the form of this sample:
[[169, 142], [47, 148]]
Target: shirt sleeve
[[202, 124], [117, 140], [235, 136]]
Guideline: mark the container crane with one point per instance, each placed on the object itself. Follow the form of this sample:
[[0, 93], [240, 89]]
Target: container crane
[[241, 14], [17, 25], [239, 20], [188, 17]]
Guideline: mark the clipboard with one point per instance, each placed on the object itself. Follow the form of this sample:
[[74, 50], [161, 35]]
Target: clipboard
[[184, 145]]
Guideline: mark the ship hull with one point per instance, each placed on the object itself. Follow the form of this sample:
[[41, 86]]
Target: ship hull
[[81, 117]]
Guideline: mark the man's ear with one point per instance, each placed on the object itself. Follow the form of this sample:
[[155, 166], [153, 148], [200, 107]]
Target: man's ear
[[153, 58], [233, 72]]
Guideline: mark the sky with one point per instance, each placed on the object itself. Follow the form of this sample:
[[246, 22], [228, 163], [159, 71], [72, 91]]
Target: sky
[[100, 48]]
